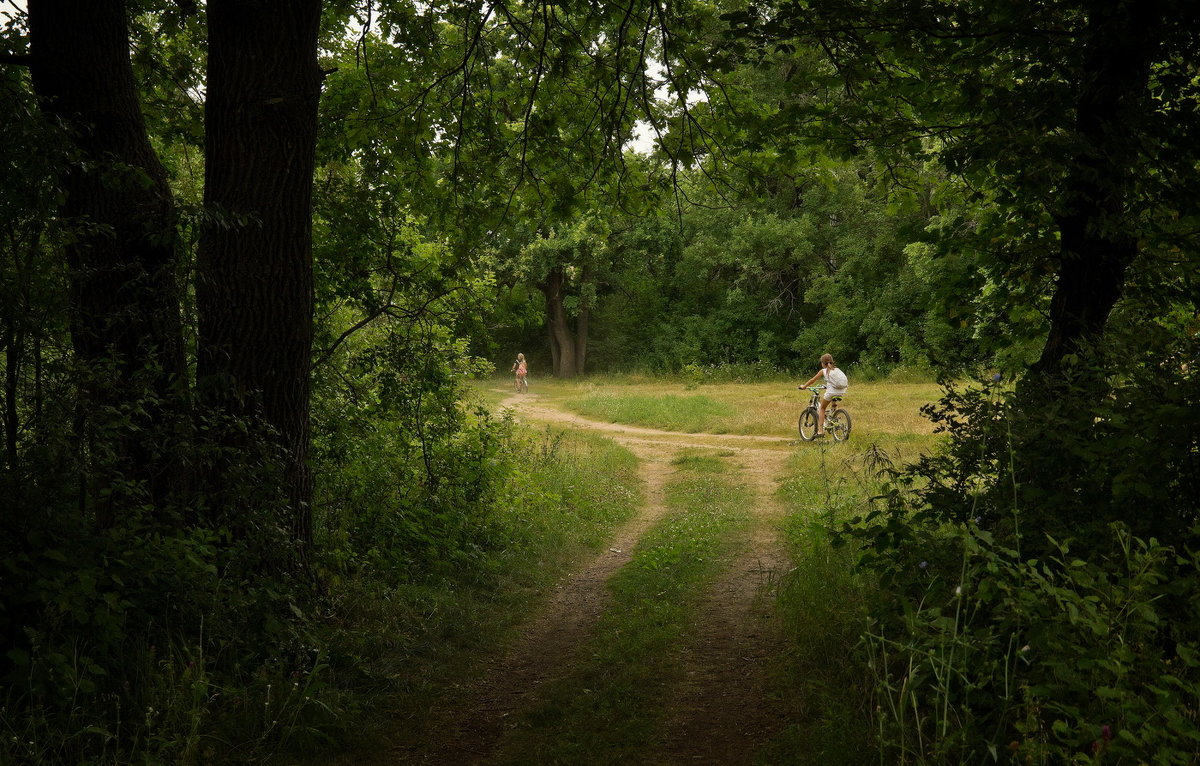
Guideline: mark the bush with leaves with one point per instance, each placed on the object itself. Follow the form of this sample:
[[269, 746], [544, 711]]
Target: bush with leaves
[[1043, 557], [125, 625], [1057, 660]]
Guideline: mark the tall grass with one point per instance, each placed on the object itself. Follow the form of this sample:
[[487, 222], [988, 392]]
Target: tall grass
[[407, 643], [824, 600], [379, 647]]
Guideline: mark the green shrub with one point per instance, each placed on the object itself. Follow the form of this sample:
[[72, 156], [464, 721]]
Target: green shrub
[[1055, 660], [1034, 612], [123, 635]]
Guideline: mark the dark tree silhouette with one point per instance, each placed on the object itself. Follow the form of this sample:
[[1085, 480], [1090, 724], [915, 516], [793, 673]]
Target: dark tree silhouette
[[255, 285], [124, 299]]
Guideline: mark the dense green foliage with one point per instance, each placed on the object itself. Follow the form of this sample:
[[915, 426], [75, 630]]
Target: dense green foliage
[[813, 258], [941, 186], [1046, 594]]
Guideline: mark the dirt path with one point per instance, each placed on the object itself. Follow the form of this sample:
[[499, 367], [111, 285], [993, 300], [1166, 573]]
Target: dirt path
[[720, 711]]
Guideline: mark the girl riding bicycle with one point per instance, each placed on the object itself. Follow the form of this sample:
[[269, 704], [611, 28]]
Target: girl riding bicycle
[[522, 370], [836, 384]]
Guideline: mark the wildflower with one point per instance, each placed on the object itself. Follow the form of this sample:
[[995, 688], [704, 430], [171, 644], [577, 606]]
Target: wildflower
[[996, 378], [1024, 648], [1106, 733], [923, 564], [958, 590]]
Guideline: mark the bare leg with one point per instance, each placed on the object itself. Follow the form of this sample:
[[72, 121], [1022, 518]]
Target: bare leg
[[821, 417]]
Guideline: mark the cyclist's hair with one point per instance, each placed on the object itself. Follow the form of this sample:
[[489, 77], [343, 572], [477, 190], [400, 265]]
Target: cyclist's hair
[[827, 358]]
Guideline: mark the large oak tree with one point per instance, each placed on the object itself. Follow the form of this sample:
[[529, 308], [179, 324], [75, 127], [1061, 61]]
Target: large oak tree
[[254, 288], [123, 250], [254, 282]]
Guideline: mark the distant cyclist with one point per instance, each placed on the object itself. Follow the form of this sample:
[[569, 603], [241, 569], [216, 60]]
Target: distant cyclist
[[522, 370], [836, 384]]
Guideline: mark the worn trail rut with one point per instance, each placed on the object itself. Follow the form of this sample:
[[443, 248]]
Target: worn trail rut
[[721, 709]]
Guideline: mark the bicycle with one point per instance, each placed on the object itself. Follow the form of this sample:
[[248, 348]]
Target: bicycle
[[837, 418], [522, 385]]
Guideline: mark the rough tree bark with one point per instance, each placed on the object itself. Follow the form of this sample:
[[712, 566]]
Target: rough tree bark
[[1096, 248], [124, 299], [568, 346], [255, 287], [562, 344], [581, 323]]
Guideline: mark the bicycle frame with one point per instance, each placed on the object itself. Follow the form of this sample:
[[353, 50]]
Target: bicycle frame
[[815, 401], [837, 418]]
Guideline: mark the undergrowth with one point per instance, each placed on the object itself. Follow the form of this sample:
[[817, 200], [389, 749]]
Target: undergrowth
[[1040, 586], [391, 625], [560, 493]]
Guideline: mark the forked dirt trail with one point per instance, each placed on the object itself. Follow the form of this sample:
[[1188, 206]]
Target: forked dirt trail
[[720, 711]]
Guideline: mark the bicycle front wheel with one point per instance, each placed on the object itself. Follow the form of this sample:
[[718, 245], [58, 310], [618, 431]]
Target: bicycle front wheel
[[838, 424], [808, 423]]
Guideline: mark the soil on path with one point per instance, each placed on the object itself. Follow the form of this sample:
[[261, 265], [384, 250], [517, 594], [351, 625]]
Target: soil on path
[[721, 712]]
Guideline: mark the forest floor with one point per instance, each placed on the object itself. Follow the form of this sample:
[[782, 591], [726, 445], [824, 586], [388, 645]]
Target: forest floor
[[719, 709]]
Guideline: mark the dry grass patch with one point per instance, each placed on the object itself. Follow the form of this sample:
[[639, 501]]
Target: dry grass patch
[[880, 410]]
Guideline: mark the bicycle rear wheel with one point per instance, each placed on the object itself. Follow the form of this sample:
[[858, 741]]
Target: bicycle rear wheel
[[838, 424], [808, 423]]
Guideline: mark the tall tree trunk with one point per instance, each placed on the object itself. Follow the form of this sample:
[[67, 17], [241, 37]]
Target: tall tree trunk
[[1095, 251], [581, 324], [1095, 248], [553, 348], [556, 318], [14, 352], [13, 349], [581, 339], [255, 287], [124, 300]]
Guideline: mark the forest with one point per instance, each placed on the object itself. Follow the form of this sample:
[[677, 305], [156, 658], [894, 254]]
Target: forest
[[267, 495]]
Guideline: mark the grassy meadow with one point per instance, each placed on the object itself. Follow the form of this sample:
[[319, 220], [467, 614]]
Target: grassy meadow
[[884, 411], [823, 600]]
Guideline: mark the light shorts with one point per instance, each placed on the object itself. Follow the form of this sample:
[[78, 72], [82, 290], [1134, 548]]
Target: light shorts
[[827, 394]]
